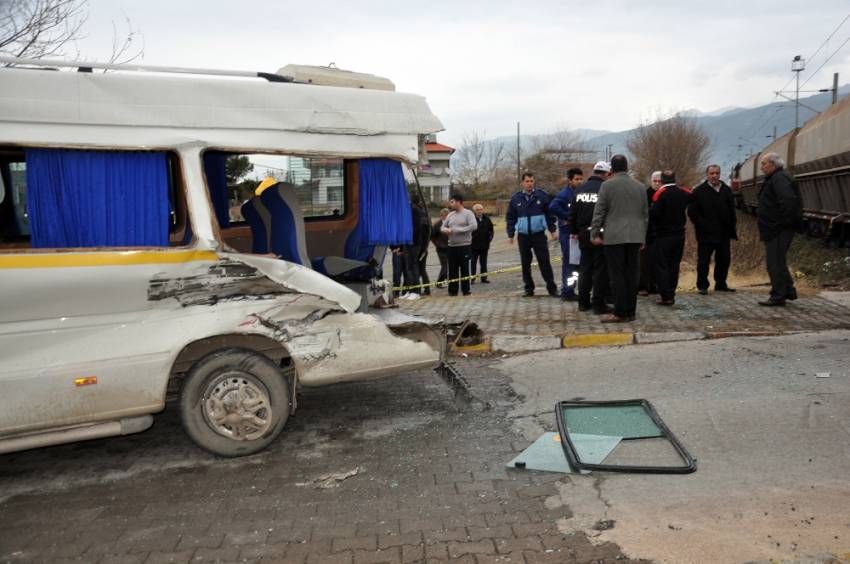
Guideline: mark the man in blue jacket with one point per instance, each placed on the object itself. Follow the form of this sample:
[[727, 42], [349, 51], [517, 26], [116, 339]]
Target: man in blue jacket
[[560, 208], [528, 218]]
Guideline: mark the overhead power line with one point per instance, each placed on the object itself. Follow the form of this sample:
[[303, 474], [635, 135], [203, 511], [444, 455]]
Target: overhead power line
[[826, 61]]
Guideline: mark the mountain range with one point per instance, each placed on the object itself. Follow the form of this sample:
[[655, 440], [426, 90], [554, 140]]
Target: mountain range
[[735, 133]]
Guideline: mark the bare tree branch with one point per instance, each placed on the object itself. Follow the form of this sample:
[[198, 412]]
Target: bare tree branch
[[39, 29], [678, 143]]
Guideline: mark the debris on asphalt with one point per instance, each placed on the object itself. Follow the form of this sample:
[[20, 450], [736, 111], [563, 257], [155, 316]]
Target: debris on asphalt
[[822, 374], [328, 481]]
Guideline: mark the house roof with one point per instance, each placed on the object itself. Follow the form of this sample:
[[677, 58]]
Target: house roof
[[438, 148]]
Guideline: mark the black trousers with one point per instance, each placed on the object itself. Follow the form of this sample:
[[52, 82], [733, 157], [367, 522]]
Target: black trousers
[[423, 270], [536, 243], [666, 259], [624, 271], [458, 267], [411, 266], [647, 276], [479, 256], [776, 251], [443, 255], [592, 276], [722, 258]]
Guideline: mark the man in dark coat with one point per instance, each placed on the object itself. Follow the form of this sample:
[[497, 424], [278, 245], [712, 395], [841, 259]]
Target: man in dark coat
[[780, 213], [712, 212], [668, 219], [646, 282], [481, 239], [441, 243], [593, 284]]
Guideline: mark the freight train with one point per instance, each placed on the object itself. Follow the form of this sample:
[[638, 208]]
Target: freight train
[[818, 155]]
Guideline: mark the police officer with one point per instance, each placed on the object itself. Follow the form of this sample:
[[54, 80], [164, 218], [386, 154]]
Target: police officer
[[560, 208], [592, 270], [528, 217]]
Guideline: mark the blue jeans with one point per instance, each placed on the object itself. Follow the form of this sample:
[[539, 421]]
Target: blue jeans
[[569, 272]]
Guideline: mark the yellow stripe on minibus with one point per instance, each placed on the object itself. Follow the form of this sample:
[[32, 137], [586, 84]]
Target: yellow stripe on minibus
[[109, 258]]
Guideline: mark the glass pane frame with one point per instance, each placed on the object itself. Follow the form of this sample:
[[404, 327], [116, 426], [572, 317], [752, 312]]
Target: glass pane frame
[[689, 464]]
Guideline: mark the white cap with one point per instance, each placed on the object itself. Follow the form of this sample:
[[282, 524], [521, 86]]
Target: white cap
[[602, 166]]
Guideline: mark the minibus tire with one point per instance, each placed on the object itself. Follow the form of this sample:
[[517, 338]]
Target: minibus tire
[[231, 383]]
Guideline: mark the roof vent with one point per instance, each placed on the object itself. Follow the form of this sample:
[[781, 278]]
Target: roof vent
[[331, 76]]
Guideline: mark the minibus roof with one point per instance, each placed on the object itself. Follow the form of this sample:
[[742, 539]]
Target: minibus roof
[[129, 109]]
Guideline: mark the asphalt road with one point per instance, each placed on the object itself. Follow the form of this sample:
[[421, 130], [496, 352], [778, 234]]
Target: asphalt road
[[772, 442]]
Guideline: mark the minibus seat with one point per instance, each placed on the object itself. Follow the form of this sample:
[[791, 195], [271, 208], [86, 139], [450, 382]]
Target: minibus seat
[[258, 218], [287, 238]]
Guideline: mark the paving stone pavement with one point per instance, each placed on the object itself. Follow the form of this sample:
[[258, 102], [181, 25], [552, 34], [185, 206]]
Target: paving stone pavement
[[430, 486], [501, 312]]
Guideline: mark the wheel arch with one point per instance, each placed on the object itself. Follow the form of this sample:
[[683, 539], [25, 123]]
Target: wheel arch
[[195, 350]]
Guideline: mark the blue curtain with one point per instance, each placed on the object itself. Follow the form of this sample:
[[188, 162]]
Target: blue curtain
[[97, 198], [216, 171], [384, 204]]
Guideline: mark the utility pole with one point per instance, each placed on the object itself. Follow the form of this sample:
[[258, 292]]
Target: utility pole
[[835, 88], [518, 179], [797, 66]]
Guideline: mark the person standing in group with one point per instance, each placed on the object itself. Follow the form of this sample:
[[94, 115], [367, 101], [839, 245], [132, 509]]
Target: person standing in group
[[459, 225], [780, 213], [528, 218], [560, 207], [621, 216], [593, 284], [412, 252], [481, 239], [712, 212], [646, 283], [668, 216], [441, 243]]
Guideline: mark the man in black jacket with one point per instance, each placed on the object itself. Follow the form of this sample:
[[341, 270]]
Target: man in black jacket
[[481, 239], [592, 269], [712, 212], [667, 217], [780, 212]]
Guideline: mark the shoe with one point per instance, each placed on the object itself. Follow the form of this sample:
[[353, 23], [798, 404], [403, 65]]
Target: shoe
[[724, 289], [584, 307], [572, 298], [554, 293], [466, 293], [453, 295], [792, 295], [603, 310], [614, 319], [426, 292], [528, 294], [485, 281], [703, 291], [663, 302], [771, 302]]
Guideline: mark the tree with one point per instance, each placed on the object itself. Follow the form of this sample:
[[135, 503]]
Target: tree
[[552, 153], [478, 160], [678, 143], [40, 29], [236, 167]]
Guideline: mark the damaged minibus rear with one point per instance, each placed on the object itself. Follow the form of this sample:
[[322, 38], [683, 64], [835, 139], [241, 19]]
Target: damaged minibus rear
[[137, 262]]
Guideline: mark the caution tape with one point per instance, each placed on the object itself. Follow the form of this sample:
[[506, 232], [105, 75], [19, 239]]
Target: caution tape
[[518, 268]]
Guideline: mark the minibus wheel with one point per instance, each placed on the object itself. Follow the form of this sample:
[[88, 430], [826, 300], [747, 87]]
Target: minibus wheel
[[234, 402]]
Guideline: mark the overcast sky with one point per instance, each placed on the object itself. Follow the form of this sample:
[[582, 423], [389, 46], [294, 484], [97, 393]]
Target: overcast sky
[[484, 65]]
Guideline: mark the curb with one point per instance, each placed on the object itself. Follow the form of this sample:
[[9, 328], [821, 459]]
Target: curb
[[516, 344]]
